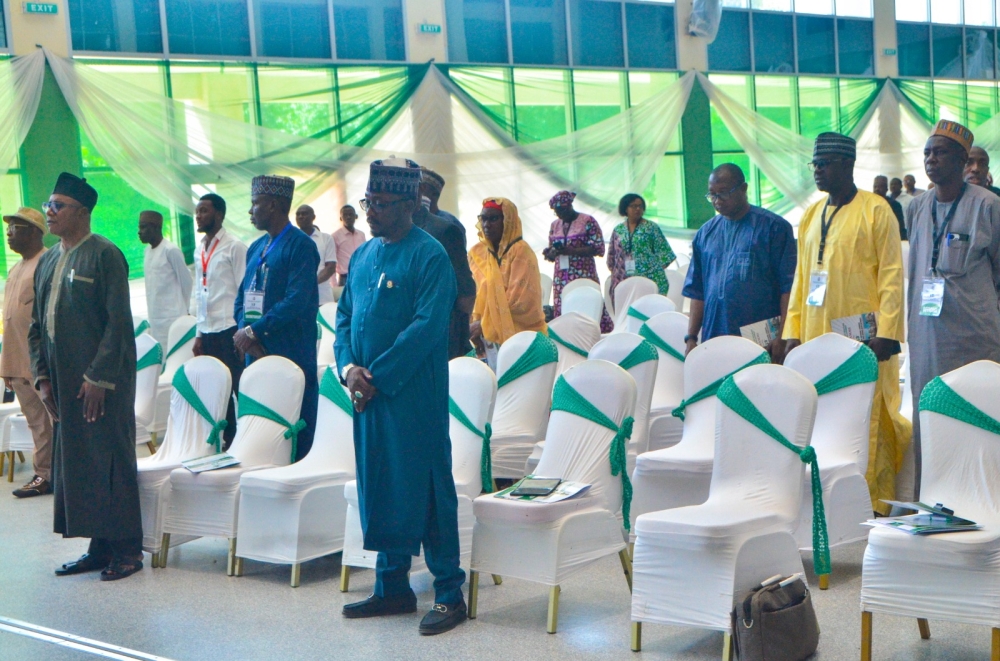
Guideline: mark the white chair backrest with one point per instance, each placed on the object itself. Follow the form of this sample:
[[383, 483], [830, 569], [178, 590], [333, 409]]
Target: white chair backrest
[[617, 347], [522, 406], [680, 264], [750, 467], [187, 432], [577, 449], [609, 303], [627, 293], [546, 280], [585, 300], [278, 384], [181, 335], [706, 364], [333, 443], [648, 307], [324, 356], [577, 284], [473, 387], [842, 416], [675, 292], [578, 330], [960, 461], [671, 327], [146, 379]]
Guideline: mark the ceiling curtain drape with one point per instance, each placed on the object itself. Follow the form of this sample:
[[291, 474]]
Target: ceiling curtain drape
[[21, 81]]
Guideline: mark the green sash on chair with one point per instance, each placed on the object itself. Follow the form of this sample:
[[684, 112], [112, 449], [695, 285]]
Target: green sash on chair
[[643, 352], [152, 357], [330, 388], [184, 388], [938, 397], [324, 323], [632, 312], [647, 333], [188, 336], [566, 343], [861, 367], [141, 328], [731, 395], [540, 352], [566, 398], [712, 388], [250, 406], [485, 460]]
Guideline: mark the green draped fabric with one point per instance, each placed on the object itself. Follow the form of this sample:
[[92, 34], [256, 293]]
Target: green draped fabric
[[920, 94], [856, 98], [190, 395], [152, 357], [569, 345], [647, 333], [540, 352], [566, 398], [141, 328], [632, 312], [861, 367], [250, 406], [324, 323], [330, 388], [712, 388], [188, 336], [643, 353], [938, 397], [731, 395], [485, 459]]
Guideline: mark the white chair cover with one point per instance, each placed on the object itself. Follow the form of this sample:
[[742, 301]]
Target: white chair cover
[[584, 300], [296, 513], [546, 280], [681, 475], [664, 429], [548, 543], [324, 356], [646, 308], [627, 293], [577, 284], [146, 380], [522, 408], [180, 337], [205, 504], [840, 438], [15, 437], [675, 280], [139, 325], [953, 576], [615, 349], [609, 303], [186, 438], [473, 388], [690, 563], [576, 329]]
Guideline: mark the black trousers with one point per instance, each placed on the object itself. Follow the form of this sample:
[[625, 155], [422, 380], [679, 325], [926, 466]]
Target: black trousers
[[220, 345], [116, 549]]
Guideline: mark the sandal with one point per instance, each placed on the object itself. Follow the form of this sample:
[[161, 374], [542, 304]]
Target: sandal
[[119, 569]]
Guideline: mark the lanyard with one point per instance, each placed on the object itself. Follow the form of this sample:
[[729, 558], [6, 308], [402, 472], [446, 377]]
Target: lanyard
[[205, 261], [939, 234], [263, 255], [824, 227], [631, 236]]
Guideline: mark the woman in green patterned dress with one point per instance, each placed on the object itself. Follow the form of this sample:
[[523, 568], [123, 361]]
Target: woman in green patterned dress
[[638, 247]]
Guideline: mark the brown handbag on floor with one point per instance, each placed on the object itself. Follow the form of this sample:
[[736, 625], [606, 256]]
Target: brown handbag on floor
[[776, 622]]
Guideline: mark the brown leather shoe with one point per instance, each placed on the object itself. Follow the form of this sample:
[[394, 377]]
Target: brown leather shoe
[[37, 487]]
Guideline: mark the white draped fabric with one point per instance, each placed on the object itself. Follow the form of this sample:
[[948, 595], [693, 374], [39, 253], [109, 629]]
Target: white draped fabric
[[21, 81]]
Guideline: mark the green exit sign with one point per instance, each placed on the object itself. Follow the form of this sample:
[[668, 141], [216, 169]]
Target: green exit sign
[[430, 27], [40, 8], [888, 51]]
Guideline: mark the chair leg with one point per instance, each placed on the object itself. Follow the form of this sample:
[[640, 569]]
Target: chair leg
[[995, 650], [20, 455], [151, 447], [473, 594], [626, 566], [553, 619], [497, 579], [3, 461], [164, 549], [727, 647], [296, 574], [637, 636], [866, 636], [231, 559], [824, 581], [925, 628], [10, 466], [345, 578]]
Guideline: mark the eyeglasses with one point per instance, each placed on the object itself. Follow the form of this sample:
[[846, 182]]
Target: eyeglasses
[[369, 203], [712, 197], [56, 206], [822, 164]]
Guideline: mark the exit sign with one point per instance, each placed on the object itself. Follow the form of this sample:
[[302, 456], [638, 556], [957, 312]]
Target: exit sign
[[888, 51], [430, 27], [40, 8]]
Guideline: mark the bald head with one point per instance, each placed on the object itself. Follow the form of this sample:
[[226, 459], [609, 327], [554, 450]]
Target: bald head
[[977, 167], [730, 173], [151, 227], [881, 185], [305, 217]]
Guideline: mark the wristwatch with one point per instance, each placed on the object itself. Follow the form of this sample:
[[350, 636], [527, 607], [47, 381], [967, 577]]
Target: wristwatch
[[347, 368], [250, 333], [688, 338]]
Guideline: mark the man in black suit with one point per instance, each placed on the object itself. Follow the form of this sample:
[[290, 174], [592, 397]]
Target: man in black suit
[[881, 187]]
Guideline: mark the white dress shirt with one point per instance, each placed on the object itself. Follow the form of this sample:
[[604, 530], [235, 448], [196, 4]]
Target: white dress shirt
[[168, 288], [215, 294], [327, 254]]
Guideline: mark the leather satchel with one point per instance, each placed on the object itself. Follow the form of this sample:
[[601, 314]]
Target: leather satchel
[[776, 622]]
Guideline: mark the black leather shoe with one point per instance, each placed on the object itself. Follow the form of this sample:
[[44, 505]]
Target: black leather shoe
[[84, 564], [378, 606], [37, 487], [443, 617]]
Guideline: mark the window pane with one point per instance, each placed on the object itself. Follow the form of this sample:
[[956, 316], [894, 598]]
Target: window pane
[[859, 8], [126, 26], [815, 44], [597, 95], [979, 12], [292, 28], [296, 101], [814, 6], [947, 44], [737, 87], [492, 91], [651, 40], [772, 42], [597, 33], [208, 27], [369, 29], [731, 49], [538, 31], [225, 90], [540, 102], [775, 98], [644, 84], [981, 99], [856, 48], [817, 106], [665, 193], [979, 53], [913, 43], [946, 11], [912, 10], [772, 5], [477, 31], [736, 4], [949, 101]]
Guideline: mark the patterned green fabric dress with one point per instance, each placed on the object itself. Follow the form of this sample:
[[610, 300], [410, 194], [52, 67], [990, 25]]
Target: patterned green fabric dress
[[649, 248]]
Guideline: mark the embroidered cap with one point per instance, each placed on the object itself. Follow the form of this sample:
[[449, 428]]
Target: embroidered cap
[[954, 131], [77, 188], [272, 184], [563, 198], [835, 144], [431, 178], [398, 176]]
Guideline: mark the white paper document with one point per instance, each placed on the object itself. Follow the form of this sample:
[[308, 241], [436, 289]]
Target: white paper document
[[860, 327], [210, 463], [564, 491], [762, 332]]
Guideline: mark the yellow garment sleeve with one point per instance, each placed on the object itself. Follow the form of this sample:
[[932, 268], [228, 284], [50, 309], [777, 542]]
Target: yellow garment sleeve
[[889, 251], [800, 283]]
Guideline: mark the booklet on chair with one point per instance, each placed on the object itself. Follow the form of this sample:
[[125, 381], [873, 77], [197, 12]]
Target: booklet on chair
[[929, 520], [210, 463], [546, 489], [762, 332]]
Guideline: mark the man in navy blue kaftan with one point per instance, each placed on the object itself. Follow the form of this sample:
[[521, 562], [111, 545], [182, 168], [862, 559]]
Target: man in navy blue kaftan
[[392, 346]]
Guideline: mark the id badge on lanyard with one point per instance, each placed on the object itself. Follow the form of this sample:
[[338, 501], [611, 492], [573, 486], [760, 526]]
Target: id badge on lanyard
[[202, 296], [817, 288], [630, 266], [563, 262], [253, 305], [932, 296]]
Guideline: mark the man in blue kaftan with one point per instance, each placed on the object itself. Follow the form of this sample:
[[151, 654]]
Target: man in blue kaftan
[[392, 346]]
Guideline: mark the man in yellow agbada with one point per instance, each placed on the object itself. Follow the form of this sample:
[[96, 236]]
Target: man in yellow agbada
[[850, 263]]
